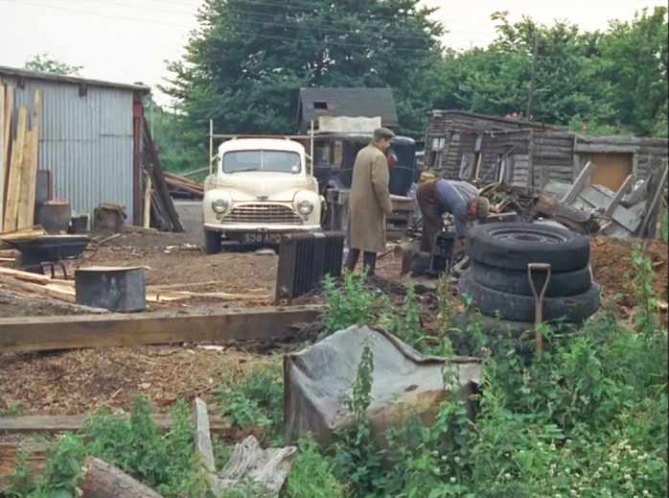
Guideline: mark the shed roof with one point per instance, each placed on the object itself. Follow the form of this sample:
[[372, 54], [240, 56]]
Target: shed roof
[[75, 80], [351, 102], [495, 119]]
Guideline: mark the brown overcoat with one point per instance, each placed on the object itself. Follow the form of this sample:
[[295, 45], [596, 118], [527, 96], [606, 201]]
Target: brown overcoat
[[370, 200]]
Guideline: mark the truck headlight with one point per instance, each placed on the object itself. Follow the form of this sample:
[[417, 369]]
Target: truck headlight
[[305, 208], [220, 205]]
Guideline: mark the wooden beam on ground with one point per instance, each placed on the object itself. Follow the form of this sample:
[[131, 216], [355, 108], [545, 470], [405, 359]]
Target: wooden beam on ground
[[47, 424], [102, 480], [15, 173], [158, 327]]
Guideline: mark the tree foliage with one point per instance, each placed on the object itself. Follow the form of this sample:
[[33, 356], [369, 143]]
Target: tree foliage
[[248, 58], [44, 63], [245, 63]]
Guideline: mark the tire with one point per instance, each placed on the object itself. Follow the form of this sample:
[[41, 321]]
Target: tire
[[561, 284], [512, 246], [521, 308], [212, 242]]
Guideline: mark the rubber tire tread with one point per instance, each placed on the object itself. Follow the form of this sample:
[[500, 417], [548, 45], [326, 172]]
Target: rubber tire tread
[[521, 308], [212, 242], [571, 254], [561, 284]]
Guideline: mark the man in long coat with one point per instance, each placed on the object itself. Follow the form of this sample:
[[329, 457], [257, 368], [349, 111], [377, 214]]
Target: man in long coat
[[369, 202]]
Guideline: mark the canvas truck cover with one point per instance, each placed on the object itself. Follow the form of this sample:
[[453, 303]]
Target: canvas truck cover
[[319, 379]]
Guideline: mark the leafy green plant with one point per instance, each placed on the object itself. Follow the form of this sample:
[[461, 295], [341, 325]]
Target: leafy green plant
[[356, 457], [643, 284], [348, 304], [406, 323], [257, 400], [313, 475]]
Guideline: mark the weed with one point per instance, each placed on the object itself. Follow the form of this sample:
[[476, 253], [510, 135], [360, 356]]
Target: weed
[[257, 401], [313, 475], [642, 281], [356, 457], [406, 323], [13, 410], [348, 304]]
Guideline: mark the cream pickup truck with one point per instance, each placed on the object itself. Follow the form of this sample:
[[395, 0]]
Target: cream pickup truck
[[260, 189]]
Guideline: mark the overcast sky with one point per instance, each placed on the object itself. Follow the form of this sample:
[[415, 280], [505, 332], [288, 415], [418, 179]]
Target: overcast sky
[[129, 40]]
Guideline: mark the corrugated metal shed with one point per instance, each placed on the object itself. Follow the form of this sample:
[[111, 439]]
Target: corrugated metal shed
[[86, 136]]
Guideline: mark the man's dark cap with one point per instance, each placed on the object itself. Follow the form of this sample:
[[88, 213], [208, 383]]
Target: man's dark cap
[[383, 133]]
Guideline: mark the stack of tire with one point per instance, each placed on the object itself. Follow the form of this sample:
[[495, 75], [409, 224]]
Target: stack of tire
[[498, 281]]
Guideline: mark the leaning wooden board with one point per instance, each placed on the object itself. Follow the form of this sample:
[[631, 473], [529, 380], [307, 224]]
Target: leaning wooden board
[[158, 327]]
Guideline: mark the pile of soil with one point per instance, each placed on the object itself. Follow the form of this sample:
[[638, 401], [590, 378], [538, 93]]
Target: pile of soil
[[612, 268]]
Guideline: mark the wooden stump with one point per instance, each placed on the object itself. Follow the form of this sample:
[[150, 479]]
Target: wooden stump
[[102, 480]]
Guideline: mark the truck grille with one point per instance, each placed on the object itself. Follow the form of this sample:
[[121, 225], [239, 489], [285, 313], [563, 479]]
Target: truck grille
[[263, 213]]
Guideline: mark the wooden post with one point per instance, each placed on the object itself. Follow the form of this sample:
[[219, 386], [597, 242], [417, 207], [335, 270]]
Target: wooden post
[[102, 480], [7, 130]]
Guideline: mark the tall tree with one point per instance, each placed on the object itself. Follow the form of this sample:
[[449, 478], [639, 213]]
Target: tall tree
[[246, 61], [634, 57], [44, 63]]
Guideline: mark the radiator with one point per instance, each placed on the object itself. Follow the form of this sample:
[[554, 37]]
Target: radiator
[[304, 259]]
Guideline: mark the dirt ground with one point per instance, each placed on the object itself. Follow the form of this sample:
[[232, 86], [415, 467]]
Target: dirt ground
[[70, 382]]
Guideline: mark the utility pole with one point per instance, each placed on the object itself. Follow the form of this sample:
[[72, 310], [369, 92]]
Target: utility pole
[[533, 75]]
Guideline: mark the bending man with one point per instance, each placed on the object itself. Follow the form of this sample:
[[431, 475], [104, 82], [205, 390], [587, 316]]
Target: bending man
[[369, 202], [436, 197]]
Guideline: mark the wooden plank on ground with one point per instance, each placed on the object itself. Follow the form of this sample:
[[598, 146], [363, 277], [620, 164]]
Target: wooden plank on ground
[[15, 173], [158, 327], [26, 215], [73, 423]]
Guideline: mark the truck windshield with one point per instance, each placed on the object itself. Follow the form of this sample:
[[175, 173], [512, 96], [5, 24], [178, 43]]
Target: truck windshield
[[261, 160]]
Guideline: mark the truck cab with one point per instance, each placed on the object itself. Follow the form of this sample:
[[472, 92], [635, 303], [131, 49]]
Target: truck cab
[[259, 189]]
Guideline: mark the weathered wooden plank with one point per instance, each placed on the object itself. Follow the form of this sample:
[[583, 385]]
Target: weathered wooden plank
[[3, 146], [102, 480], [26, 214], [6, 117], [203, 435], [579, 183], [619, 195], [159, 327], [72, 423], [15, 173]]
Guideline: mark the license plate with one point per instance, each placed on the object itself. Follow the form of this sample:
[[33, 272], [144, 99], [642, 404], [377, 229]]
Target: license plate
[[261, 238]]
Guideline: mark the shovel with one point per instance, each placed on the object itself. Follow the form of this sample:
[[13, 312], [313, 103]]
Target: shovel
[[533, 269]]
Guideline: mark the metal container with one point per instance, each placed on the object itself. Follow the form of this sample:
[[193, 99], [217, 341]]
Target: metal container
[[113, 288], [78, 224], [54, 216], [43, 191]]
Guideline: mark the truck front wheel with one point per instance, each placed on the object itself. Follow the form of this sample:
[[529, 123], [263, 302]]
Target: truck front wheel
[[212, 242]]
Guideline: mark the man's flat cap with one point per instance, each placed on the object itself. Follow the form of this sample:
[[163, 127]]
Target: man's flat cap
[[383, 133]]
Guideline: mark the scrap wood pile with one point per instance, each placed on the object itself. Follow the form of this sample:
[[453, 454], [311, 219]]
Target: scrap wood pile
[[181, 186], [159, 210], [19, 155], [631, 211]]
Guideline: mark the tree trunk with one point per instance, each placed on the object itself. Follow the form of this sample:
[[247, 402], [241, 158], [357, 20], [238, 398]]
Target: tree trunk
[[102, 480]]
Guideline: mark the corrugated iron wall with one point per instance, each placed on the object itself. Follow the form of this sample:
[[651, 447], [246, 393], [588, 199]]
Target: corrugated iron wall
[[85, 141]]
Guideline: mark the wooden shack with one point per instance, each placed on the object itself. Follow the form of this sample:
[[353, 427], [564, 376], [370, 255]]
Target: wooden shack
[[530, 154]]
